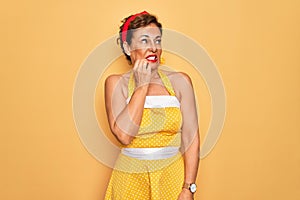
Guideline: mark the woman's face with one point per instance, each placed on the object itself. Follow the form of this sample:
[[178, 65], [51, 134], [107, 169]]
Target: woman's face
[[146, 44]]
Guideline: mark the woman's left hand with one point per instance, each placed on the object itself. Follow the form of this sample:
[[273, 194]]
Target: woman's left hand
[[185, 195]]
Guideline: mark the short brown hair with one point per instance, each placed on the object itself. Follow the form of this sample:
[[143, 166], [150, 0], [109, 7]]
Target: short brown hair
[[140, 21]]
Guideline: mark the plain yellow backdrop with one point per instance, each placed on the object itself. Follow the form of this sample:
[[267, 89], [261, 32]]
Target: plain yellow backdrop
[[255, 45]]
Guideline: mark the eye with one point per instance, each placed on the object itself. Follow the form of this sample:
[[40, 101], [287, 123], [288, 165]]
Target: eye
[[144, 41], [158, 41]]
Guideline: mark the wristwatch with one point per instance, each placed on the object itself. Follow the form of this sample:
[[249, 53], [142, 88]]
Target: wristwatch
[[192, 187]]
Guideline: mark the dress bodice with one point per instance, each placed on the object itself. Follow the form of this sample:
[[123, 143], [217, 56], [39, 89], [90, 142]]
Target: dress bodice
[[161, 120]]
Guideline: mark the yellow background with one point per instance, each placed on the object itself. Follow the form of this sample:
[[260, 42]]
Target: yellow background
[[255, 45]]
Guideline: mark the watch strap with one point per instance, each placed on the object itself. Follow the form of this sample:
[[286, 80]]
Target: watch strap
[[186, 186]]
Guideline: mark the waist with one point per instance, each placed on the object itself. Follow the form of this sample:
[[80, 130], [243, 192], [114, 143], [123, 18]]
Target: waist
[[151, 153], [156, 140]]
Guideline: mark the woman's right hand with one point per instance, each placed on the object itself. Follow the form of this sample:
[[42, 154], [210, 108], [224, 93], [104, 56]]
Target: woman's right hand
[[142, 72]]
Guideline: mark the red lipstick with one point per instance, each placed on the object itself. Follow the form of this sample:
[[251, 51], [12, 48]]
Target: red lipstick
[[152, 58]]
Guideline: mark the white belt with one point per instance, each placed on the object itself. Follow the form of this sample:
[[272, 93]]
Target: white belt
[[151, 153]]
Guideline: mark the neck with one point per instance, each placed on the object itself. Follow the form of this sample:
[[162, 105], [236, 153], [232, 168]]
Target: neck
[[154, 74]]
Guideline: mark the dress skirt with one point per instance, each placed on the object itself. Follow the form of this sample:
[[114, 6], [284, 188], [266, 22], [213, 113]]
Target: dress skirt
[[134, 179]]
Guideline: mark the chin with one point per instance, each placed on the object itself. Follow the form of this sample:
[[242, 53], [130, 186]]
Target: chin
[[154, 65]]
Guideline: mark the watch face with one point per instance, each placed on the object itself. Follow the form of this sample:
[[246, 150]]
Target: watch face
[[193, 187]]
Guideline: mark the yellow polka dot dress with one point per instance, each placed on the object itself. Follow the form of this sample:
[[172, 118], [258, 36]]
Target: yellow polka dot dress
[[156, 177]]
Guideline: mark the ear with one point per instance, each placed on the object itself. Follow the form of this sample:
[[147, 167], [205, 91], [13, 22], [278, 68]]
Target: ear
[[127, 48]]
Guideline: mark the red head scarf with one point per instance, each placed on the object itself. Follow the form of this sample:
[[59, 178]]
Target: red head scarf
[[126, 24]]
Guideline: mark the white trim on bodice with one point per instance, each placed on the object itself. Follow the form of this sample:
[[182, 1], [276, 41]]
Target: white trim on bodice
[[151, 153], [161, 101]]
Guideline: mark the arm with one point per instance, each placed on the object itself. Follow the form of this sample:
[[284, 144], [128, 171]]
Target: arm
[[190, 133], [124, 119]]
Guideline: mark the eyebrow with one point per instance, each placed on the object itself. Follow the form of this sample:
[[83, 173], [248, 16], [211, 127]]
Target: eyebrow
[[159, 36]]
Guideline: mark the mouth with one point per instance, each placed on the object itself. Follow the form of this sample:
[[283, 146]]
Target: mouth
[[152, 58]]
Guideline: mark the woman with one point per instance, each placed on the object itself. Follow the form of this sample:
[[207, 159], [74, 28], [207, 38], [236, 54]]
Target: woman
[[152, 113]]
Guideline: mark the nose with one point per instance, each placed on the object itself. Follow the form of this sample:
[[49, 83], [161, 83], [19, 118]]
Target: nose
[[153, 47]]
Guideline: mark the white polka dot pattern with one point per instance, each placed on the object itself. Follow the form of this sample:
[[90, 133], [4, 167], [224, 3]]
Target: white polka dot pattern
[[151, 179], [163, 184]]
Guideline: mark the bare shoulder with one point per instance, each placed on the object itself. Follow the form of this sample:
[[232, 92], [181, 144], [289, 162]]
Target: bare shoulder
[[181, 83], [178, 77], [184, 76], [114, 79]]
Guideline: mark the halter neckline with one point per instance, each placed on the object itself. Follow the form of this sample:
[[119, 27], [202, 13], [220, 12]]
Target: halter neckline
[[166, 81]]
